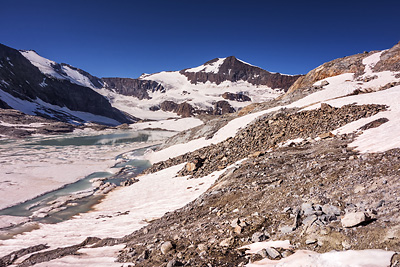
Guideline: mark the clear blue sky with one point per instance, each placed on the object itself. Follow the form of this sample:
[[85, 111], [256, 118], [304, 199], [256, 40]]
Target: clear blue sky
[[126, 38]]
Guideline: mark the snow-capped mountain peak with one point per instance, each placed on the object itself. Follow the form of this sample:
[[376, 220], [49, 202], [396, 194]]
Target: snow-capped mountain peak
[[211, 66], [62, 71]]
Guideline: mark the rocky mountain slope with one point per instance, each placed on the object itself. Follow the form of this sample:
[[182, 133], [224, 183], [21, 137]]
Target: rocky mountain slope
[[307, 179], [24, 87]]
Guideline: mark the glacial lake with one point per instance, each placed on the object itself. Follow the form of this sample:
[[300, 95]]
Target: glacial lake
[[78, 148]]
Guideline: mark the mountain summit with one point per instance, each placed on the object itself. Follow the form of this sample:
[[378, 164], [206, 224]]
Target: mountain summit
[[232, 69]]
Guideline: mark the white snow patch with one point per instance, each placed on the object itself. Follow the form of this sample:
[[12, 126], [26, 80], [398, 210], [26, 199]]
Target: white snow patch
[[258, 246], [46, 67], [371, 61], [378, 139], [169, 125], [99, 257], [350, 258], [209, 68]]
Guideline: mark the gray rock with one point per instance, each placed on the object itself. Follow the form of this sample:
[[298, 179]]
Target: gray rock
[[311, 241], [273, 253], [226, 242], [287, 209], [307, 209], [354, 218], [263, 253], [166, 247], [330, 210], [258, 237], [235, 222], [171, 263], [310, 220], [202, 247], [286, 229]]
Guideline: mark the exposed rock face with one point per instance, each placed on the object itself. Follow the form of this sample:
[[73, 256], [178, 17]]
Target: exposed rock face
[[186, 110], [235, 70], [21, 79], [390, 60], [236, 97], [183, 109], [133, 87], [350, 64], [223, 107]]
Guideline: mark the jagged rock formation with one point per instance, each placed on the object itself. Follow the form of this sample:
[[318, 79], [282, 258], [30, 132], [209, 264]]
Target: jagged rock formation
[[232, 69], [19, 78], [133, 87]]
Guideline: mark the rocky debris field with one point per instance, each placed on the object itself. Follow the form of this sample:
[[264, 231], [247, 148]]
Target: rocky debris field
[[266, 133], [320, 195]]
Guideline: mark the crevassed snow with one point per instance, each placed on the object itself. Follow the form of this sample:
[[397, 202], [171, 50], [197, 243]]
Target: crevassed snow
[[46, 67], [38, 105], [350, 258], [209, 68]]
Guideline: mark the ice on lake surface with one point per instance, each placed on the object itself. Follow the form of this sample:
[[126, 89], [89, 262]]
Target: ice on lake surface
[[36, 165]]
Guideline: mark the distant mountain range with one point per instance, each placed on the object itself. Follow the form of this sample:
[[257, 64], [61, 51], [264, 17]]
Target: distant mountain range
[[39, 86]]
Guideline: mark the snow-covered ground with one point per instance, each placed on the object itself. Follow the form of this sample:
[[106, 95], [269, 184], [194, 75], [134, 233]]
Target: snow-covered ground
[[169, 125], [46, 66]]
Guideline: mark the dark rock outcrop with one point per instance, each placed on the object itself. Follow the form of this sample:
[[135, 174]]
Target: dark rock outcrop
[[235, 70], [23, 80], [132, 87], [183, 109], [236, 97], [222, 107]]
